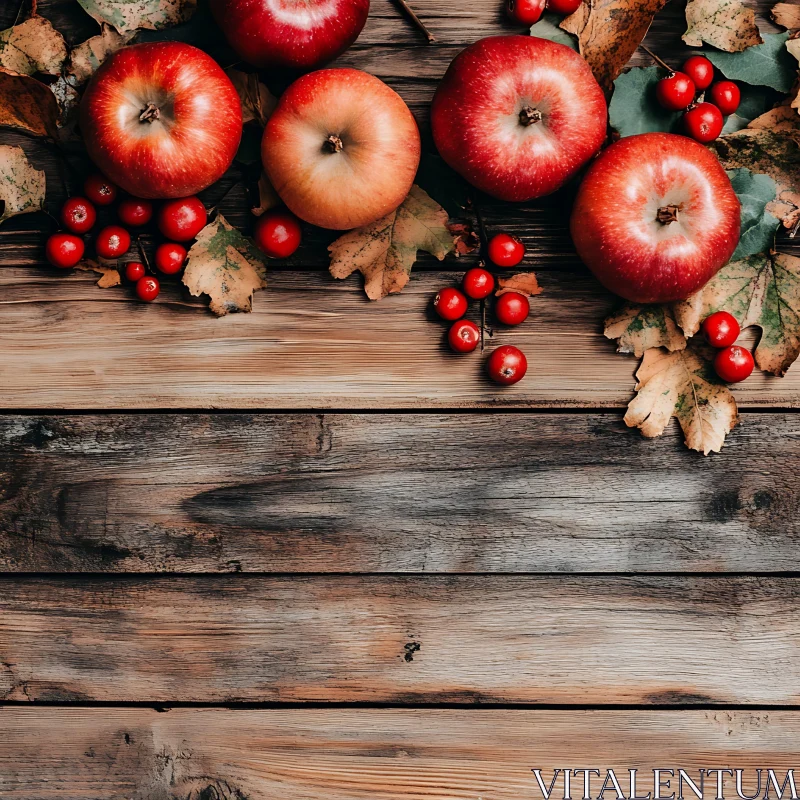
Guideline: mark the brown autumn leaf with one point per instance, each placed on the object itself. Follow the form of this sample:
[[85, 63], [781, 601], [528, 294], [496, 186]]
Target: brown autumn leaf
[[726, 24], [128, 15], [787, 15], [86, 58], [639, 328], [32, 46], [465, 239], [226, 266], [609, 31], [109, 276], [523, 282], [385, 251], [22, 187], [762, 290], [682, 384], [258, 102], [267, 196], [27, 105]]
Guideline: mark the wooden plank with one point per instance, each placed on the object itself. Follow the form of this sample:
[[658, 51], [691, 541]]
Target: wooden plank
[[391, 493], [310, 342], [373, 754], [423, 639]]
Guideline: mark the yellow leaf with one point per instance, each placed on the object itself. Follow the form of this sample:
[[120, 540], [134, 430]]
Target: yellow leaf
[[524, 283], [787, 15], [22, 187], [128, 15], [86, 58], [28, 105], [32, 46], [726, 24], [109, 276], [639, 328]]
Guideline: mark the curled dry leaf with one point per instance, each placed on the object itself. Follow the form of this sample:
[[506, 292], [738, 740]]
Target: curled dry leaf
[[109, 276], [726, 24], [465, 240], [129, 15], [87, 57], [258, 103], [267, 196], [609, 31], [523, 282], [32, 46], [27, 105], [762, 290], [682, 384], [787, 15], [22, 187], [226, 266], [640, 328], [385, 251]]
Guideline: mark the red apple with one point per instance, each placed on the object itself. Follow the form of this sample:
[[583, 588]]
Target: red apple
[[290, 33], [517, 116], [161, 120], [341, 148], [655, 217]]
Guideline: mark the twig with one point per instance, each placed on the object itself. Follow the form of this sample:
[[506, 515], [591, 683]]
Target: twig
[[794, 229], [483, 321], [656, 58], [409, 12], [142, 253]]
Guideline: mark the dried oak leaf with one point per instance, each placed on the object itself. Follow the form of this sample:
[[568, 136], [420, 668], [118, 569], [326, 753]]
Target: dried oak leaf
[[639, 328], [128, 15], [267, 196], [726, 24], [787, 15], [109, 276], [523, 282], [87, 57], [761, 290], [27, 105], [682, 384], [32, 46], [385, 251], [22, 187], [226, 266], [609, 31], [465, 240], [258, 102]]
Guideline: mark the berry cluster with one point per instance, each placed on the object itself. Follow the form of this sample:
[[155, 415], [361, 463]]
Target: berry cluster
[[507, 364], [529, 12], [703, 101], [277, 233], [733, 363]]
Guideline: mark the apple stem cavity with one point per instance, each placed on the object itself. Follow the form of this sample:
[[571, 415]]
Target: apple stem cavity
[[667, 214], [333, 144], [150, 113], [529, 116]]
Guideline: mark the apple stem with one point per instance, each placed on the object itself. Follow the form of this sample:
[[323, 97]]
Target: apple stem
[[656, 58], [409, 12], [150, 113], [529, 116], [333, 144], [667, 214]]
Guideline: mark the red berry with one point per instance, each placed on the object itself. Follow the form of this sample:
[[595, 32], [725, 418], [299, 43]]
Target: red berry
[[676, 91], [505, 250], [733, 364], [78, 215], [725, 95], [112, 242], [721, 329], [64, 250], [135, 212], [477, 283], [169, 257], [450, 304], [182, 219], [700, 70], [526, 12], [134, 270], [147, 288], [277, 233], [464, 336], [563, 6], [507, 364], [703, 122], [100, 190], [512, 308]]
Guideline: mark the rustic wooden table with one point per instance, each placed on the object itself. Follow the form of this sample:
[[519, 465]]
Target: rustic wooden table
[[344, 563]]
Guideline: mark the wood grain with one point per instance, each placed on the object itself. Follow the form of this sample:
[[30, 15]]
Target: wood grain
[[391, 493], [422, 639], [368, 754]]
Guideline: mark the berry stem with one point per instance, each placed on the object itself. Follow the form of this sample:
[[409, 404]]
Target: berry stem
[[409, 12], [142, 253], [656, 58], [483, 321], [795, 228]]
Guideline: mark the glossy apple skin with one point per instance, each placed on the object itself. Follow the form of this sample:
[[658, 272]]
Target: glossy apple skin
[[363, 180], [190, 144], [478, 109], [614, 219], [300, 34]]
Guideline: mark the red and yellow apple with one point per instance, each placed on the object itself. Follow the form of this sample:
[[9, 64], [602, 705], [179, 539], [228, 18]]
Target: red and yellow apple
[[161, 120], [656, 217]]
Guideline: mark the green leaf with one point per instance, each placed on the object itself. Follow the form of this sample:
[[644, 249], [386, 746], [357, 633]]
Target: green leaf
[[634, 108], [758, 225], [768, 64], [151, 14], [755, 102], [547, 28]]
